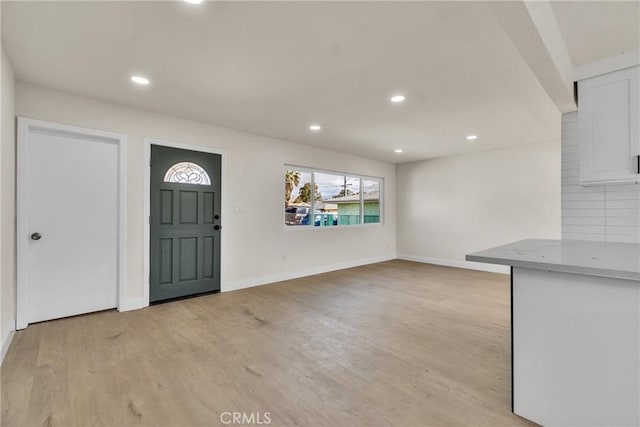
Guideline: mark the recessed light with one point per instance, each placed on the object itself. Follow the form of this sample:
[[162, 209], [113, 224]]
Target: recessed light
[[140, 80], [472, 137], [398, 150], [315, 128], [397, 98], [194, 1]]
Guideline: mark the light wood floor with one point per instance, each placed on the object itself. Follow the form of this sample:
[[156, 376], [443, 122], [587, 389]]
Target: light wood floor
[[395, 343]]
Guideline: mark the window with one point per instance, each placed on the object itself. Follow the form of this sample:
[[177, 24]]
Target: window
[[341, 195], [187, 173], [371, 200], [297, 197], [328, 199]]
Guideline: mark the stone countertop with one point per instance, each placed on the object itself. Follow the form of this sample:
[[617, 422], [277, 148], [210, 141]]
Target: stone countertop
[[605, 259]]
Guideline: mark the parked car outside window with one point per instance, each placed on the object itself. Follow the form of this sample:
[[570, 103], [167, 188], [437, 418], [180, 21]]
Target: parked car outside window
[[300, 215], [296, 215]]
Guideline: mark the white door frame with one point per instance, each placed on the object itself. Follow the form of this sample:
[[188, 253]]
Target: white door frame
[[148, 142], [25, 126]]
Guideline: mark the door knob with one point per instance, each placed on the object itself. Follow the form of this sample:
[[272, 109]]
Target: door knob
[[36, 236], [216, 227]]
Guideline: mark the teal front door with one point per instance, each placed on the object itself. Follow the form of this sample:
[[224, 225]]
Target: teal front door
[[185, 223]]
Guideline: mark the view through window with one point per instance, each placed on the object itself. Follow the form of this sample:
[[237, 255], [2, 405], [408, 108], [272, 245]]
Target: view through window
[[327, 199]]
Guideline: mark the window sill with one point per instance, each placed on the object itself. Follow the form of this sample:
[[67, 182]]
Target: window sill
[[335, 227]]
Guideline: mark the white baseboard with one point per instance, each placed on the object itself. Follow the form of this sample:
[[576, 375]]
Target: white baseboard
[[5, 345], [492, 268], [265, 280], [132, 304]]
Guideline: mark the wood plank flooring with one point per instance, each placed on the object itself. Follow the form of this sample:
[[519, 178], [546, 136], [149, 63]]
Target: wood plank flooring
[[395, 343]]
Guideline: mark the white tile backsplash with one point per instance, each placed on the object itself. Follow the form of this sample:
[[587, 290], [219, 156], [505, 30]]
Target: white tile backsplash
[[598, 212], [585, 220]]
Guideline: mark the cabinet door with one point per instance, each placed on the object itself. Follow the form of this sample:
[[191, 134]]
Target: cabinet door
[[608, 116]]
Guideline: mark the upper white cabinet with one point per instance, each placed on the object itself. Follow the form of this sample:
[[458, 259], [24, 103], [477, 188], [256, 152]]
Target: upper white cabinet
[[609, 118]]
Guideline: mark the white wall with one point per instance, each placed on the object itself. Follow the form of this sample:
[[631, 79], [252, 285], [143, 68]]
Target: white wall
[[449, 207], [7, 198], [608, 213], [254, 240]]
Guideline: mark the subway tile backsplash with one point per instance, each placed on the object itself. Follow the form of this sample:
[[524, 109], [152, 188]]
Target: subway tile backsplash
[[605, 213]]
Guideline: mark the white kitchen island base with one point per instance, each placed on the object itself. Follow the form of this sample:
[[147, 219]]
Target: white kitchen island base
[[576, 349], [575, 313]]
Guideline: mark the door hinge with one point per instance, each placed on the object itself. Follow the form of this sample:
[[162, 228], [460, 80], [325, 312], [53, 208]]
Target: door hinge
[[149, 219]]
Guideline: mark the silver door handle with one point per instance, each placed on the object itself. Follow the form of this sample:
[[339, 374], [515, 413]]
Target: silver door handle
[[36, 236]]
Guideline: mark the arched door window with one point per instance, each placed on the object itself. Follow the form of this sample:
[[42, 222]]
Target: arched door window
[[187, 173]]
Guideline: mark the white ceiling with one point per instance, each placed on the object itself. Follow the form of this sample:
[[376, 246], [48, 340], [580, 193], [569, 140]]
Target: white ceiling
[[275, 68], [594, 30]]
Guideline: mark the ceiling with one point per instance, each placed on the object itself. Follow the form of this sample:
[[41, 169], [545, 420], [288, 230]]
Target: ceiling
[[594, 30], [273, 68]]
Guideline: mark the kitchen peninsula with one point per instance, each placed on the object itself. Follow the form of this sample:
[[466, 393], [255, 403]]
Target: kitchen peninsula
[[575, 330]]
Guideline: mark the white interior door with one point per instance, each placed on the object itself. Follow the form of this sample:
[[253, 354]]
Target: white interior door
[[68, 239]]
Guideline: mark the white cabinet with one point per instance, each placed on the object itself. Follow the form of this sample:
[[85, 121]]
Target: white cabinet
[[609, 118]]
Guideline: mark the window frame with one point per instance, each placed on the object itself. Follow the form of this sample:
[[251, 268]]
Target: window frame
[[361, 178]]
